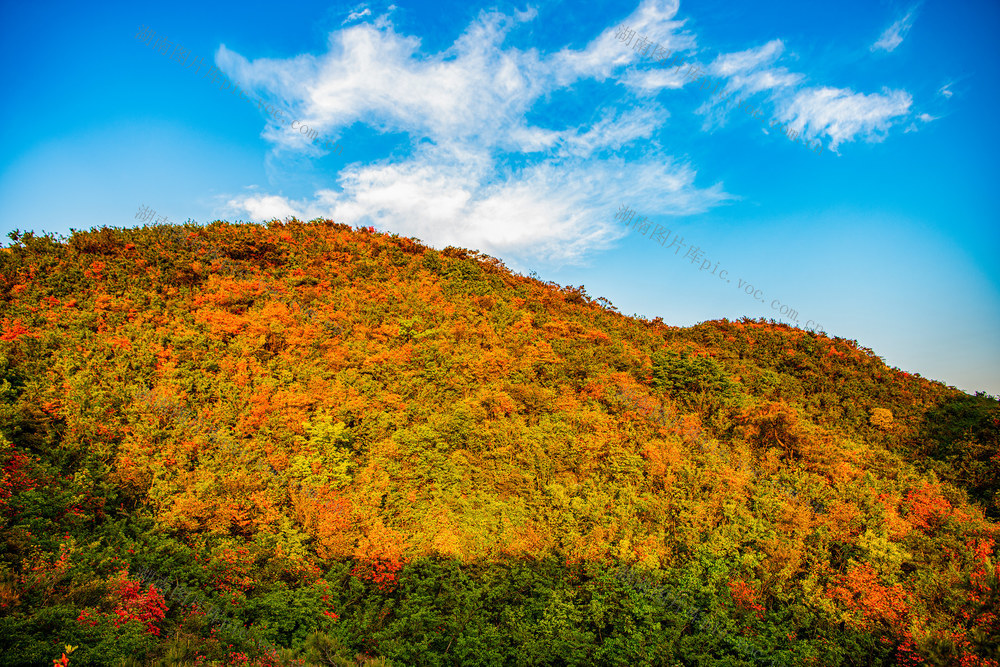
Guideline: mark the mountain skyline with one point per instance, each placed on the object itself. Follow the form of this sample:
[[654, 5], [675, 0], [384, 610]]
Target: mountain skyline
[[519, 130]]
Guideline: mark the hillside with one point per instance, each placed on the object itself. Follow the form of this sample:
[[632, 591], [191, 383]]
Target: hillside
[[301, 441]]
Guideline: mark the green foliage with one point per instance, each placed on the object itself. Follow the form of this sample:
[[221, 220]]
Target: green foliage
[[964, 436], [695, 381], [688, 376], [321, 649], [285, 616]]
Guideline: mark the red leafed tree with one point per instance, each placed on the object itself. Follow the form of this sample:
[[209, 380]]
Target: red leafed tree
[[382, 573], [380, 553], [134, 604], [861, 591], [928, 509], [13, 475], [745, 597]]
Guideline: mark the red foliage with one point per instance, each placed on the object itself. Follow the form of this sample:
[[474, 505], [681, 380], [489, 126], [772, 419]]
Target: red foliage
[[381, 572], [86, 618], [13, 478], [967, 656], [982, 550], [329, 613], [14, 330], [745, 597], [979, 613], [928, 509], [236, 566], [95, 271], [136, 605], [906, 652], [860, 590]]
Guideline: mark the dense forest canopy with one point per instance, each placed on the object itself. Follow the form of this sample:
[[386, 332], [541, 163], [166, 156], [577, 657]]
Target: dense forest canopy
[[301, 443]]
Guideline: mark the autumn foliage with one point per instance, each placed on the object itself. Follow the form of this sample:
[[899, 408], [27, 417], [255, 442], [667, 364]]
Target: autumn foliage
[[310, 442]]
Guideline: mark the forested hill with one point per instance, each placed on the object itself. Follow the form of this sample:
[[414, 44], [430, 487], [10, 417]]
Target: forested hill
[[301, 441]]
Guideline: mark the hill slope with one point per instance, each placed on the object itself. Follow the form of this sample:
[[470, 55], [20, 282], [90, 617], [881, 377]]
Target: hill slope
[[350, 442]]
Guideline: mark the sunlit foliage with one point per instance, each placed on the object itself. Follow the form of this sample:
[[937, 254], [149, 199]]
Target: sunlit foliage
[[248, 444]]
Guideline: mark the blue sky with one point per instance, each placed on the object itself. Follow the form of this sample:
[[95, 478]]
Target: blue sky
[[522, 129]]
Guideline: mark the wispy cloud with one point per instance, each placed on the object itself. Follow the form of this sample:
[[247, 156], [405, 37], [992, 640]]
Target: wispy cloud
[[893, 35], [840, 114], [545, 212], [844, 115], [354, 16], [653, 19], [740, 62], [478, 173]]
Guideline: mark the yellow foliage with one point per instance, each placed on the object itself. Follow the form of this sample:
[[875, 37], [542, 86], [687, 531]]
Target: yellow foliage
[[882, 419]]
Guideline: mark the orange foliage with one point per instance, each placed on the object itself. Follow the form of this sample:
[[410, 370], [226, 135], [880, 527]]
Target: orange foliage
[[843, 519], [662, 457], [95, 271], [861, 592], [14, 330], [479, 414], [331, 519], [928, 509], [221, 324], [896, 527], [380, 552]]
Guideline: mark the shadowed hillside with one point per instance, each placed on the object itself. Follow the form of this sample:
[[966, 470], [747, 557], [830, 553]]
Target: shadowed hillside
[[305, 442]]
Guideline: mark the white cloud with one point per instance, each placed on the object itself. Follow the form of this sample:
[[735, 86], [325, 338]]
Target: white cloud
[[544, 212], [840, 114], [945, 91], [354, 16], [923, 118], [740, 62], [652, 19], [614, 131], [652, 80], [465, 110], [747, 73], [765, 80], [893, 35], [263, 207], [844, 115]]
